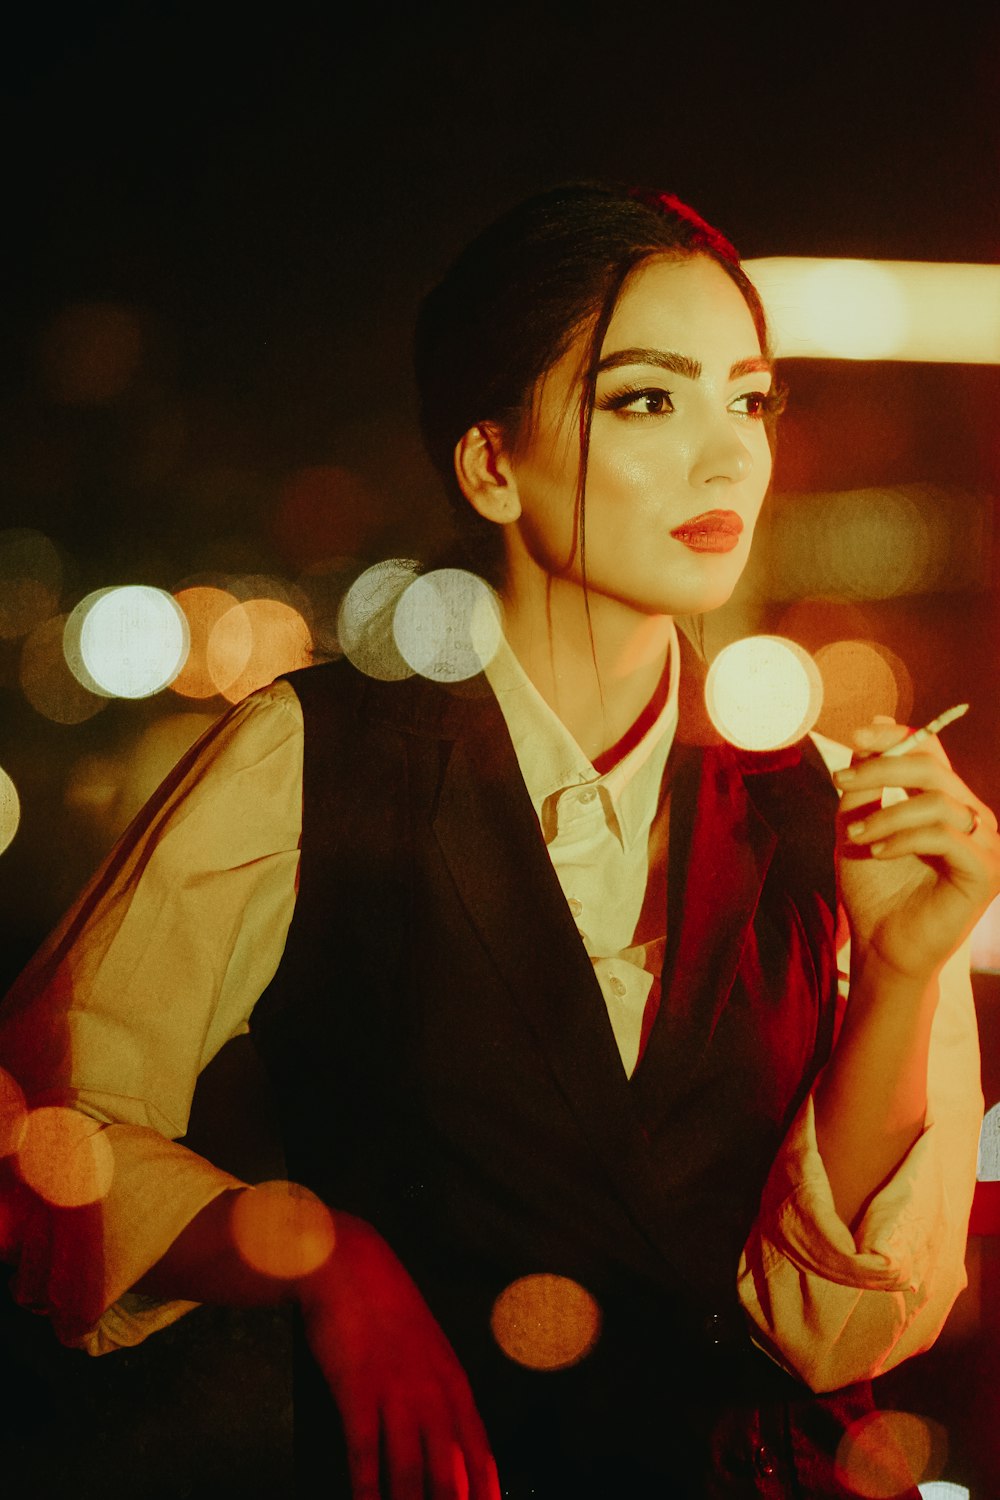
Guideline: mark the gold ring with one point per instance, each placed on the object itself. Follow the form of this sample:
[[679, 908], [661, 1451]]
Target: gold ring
[[974, 822]]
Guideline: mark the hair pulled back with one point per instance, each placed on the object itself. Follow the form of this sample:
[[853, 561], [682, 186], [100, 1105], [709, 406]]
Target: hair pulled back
[[516, 298]]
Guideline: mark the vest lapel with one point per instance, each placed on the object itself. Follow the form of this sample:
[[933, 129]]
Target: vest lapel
[[489, 836]]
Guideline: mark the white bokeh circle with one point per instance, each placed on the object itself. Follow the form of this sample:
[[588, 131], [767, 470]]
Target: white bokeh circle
[[763, 692]]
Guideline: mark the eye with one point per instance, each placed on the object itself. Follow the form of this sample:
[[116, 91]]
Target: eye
[[754, 404], [650, 401]]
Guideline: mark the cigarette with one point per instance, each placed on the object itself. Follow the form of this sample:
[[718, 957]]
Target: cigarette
[[948, 717]]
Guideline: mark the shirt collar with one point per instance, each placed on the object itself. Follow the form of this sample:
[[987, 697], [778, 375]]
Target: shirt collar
[[549, 758]]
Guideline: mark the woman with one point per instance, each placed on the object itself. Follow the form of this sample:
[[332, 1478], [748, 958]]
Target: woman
[[555, 991]]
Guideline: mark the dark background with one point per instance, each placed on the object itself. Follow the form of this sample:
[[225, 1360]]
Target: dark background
[[266, 193]]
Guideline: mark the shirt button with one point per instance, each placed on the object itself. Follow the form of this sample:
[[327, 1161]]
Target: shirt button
[[588, 795], [618, 987], [575, 906]]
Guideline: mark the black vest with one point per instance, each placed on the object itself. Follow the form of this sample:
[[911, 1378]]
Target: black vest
[[445, 1068]]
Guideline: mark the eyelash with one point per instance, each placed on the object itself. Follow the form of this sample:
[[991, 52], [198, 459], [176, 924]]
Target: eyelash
[[769, 403]]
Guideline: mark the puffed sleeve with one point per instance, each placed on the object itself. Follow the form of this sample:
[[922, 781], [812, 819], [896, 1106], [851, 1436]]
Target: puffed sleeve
[[836, 1307], [158, 964]]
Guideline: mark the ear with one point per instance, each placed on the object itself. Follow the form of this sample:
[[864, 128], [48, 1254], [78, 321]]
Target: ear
[[485, 474]]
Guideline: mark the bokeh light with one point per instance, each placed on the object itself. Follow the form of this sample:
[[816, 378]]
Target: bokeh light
[[46, 680], [10, 810], [126, 642], [853, 309], [986, 940], [935, 312], [887, 1452], [204, 607], [943, 1489], [255, 642], [90, 353], [13, 1114], [874, 543], [365, 619], [30, 581], [988, 1162], [861, 679], [282, 1230], [65, 1156], [324, 585], [545, 1322], [447, 625], [763, 692]]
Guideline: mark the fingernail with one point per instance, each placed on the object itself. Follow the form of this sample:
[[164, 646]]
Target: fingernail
[[877, 848], [845, 775], [855, 830], [883, 718]]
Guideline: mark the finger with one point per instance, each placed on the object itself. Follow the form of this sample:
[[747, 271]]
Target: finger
[[484, 1482], [446, 1469], [404, 1454], [360, 1431], [479, 1465], [926, 809], [881, 734], [917, 771], [936, 841]]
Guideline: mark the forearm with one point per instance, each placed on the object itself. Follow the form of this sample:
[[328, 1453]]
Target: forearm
[[871, 1100], [249, 1247]]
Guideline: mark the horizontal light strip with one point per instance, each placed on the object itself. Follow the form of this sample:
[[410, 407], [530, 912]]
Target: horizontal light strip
[[942, 313]]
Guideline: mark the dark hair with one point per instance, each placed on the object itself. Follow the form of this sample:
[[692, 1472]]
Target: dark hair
[[517, 297]]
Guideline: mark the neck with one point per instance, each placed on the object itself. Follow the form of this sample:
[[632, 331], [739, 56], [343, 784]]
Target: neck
[[597, 676]]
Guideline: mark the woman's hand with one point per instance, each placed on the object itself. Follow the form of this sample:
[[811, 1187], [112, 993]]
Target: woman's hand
[[915, 876], [412, 1429]]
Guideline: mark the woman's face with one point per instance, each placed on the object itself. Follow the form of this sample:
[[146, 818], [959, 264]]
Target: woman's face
[[679, 459]]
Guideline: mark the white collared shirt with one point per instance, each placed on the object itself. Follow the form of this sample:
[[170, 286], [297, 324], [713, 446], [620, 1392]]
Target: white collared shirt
[[598, 830]]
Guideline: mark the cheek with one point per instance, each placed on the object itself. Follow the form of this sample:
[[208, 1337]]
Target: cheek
[[638, 483]]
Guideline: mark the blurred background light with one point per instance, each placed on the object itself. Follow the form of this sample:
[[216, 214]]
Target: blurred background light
[[880, 309], [282, 1229], [988, 1165], [763, 692], [204, 607], [545, 1322], [324, 585], [46, 680], [860, 679], [877, 543], [943, 1489], [986, 940], [885, 1453], [10, 810], [447, 625], [365, 619], [90, 353], [65, 1157], [30, 581], [126, 642], [260, 639], [13, 1114]]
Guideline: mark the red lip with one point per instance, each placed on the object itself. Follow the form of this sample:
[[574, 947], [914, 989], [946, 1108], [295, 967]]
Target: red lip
[[715, 531]]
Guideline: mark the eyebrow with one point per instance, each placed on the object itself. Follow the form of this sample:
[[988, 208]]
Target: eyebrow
[[681, 364]]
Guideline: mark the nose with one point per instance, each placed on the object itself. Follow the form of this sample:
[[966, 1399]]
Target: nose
[[720, 454]]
